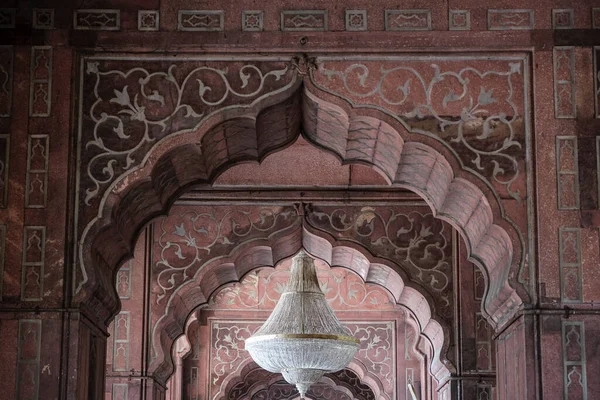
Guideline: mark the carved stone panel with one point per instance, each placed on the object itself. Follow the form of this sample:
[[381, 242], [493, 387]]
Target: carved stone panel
[[28, 367], [574, 360], [4, 165], [6, 77], [36, 193], [189, 237], [128, 106], [510, 19], [564, 82], [415, 240], [228, 356], [478, 108], [40, 88], [567, 173], [408, 20], [32, 267]]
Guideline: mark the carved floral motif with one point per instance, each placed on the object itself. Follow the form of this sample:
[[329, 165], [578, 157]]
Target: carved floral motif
[[228, 355], [343, 289], [129, 109], [474, 109], [415, 240], [188, 238]]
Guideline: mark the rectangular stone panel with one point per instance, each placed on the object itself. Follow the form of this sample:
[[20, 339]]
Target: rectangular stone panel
[[148, 20], [194, 382], [484, 343], [567, 173], [98, 20], [459, 20], [563, 18], [121, 333], [564, 82], [28, 359], [43, 18], [7, 18], [598, 167], [597, 81], [36, 193], [510, 19], [252, 20], [6, 77], [574, 360], [124, 280], [32, 269], [304, 20], [200, 20], [570, 265], [120, 391], [407, 20], [4, 164], [40, 88], [2, 256]]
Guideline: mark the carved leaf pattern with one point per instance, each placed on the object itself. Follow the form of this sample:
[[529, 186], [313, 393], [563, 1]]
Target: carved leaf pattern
[[189, 238], [474, 109], [142, 106], [343, 289], [416, 241]]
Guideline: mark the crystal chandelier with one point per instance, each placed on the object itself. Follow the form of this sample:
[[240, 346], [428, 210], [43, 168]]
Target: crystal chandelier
[[302, 339]]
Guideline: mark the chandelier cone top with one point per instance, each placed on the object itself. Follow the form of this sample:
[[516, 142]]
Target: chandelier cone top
[[302, 339]]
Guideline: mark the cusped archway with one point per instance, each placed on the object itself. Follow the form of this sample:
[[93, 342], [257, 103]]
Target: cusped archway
[[183, 144]]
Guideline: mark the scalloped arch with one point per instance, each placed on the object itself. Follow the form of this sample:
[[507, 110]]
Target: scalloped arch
[[249, 367], [198, 157], [222, 271]]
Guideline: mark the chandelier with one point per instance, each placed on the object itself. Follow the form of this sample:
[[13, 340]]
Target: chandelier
[[302, 339]]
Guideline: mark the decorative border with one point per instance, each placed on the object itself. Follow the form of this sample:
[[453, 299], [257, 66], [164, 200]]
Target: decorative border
[[323, 13], [117, 16], [560, 173], [182, 13]]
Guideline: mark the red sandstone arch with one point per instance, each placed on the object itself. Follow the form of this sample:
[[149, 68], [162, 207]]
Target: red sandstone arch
[[250, 134], [224, 270]]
